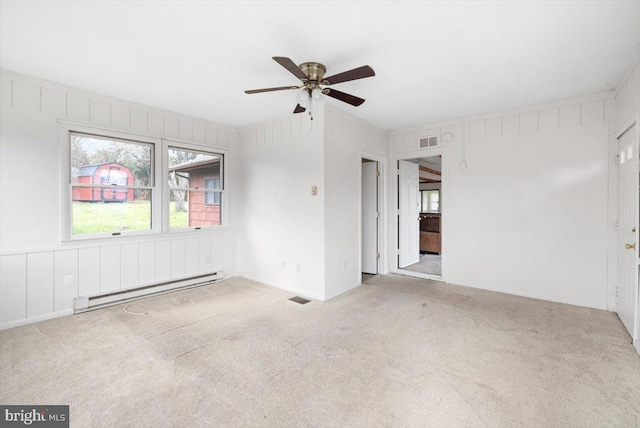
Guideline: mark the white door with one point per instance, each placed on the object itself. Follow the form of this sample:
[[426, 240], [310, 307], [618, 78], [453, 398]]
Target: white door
[[628, 228], [409, 213], [370, 217]]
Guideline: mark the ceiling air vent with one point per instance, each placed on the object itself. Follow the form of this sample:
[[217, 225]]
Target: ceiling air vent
[[429, 142]]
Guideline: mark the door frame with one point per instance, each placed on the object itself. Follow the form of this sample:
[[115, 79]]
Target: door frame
[[376, 212], [393, 209], [614, 251], [383, 266]]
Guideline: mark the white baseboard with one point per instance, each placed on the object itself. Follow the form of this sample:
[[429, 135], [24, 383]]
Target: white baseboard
[[65, 312], [31, 320], [636, 345], [297, 291], [602, 307]]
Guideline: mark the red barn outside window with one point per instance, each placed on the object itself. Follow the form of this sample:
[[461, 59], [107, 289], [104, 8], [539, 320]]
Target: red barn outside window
[[110, 173]]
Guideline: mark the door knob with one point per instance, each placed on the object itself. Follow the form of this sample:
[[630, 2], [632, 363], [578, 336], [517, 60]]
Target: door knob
[[630, 246]]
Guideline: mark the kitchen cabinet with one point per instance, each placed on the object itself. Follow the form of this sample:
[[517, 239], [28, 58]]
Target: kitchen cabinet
[[430, 238]]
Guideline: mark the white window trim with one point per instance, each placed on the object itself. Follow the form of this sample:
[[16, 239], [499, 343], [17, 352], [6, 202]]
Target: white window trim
[[160, 198]]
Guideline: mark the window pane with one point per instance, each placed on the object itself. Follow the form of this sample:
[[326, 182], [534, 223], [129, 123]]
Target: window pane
[[189, 209], [111, 210], [435, 200], [212, 198], [430, 200], [190, 169], [98, 160]]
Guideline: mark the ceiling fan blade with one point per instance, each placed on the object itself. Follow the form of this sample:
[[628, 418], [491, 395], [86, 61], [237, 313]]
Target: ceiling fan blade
[[279, 88], [291, 66], [347, 98], [355, 74], [299, 109]]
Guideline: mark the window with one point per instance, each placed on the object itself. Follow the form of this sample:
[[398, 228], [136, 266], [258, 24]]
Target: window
[[111, 185], [116, 186], [195, 188], [211, 198], [430, 201]]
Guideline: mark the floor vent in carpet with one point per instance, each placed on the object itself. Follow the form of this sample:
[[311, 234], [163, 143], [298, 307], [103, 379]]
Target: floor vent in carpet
[[300, 300]]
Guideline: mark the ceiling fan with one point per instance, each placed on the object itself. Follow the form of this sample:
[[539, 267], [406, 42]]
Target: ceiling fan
[[311, 74]]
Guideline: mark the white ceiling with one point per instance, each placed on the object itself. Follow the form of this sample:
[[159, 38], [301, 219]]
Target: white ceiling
[[433, 60]]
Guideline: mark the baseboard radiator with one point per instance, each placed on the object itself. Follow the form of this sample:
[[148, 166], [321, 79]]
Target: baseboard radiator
[[88, 303]]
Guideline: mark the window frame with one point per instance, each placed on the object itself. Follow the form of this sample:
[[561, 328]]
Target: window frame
[[422, 196], [194, 147], [66, 132], [159, 175]]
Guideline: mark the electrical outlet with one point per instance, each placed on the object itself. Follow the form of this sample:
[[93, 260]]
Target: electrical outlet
[[463, 165], [283, 264], [344, 266], [298, 267], [69, 280]]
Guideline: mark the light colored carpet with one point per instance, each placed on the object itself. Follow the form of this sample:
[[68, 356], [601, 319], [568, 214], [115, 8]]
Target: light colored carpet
[[397, 351], [366, 276], [429, 263]]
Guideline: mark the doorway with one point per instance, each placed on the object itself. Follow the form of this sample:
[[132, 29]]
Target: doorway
[[420, 215], [370, 218], [627, 231]]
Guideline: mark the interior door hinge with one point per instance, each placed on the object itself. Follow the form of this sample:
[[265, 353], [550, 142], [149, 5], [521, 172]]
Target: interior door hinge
[[378, 256], [617, 225], [618, 159], [377, 215], [377, 173]]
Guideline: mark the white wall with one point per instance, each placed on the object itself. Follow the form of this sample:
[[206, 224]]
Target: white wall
[[528, 215], [628, 97], [282, 222], [348, 139], [33, 258]]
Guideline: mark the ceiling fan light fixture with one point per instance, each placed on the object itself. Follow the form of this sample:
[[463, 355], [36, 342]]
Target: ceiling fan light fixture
[[316, 93], [303, 98]]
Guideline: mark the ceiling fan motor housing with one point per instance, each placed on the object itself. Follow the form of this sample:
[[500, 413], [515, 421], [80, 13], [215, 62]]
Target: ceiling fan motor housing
[[314, 71]]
